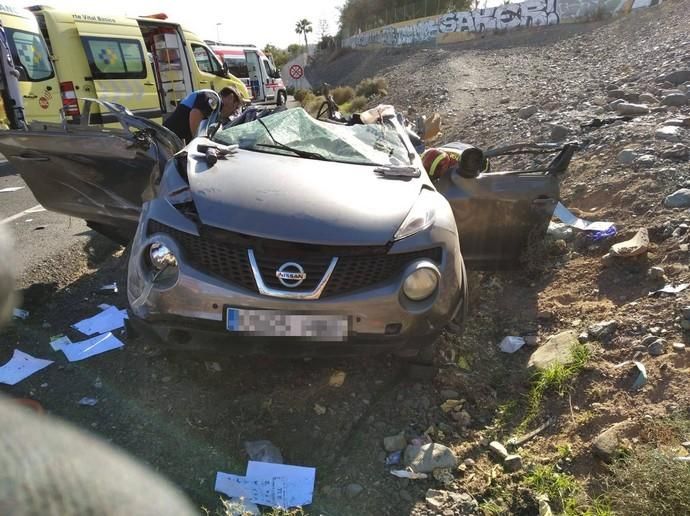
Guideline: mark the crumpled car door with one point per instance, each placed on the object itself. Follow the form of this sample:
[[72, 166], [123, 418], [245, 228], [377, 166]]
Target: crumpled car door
[[102, 176], [499, 214]]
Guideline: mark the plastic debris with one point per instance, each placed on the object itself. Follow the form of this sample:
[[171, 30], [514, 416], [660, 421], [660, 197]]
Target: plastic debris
[[565, 216], [394, 458], [597, 236], [213, 367], [263, 451], [670, 289], [682, 459], [88, 402], [512, 344], [641, 377], [109, 289], [20, 314], [411, 475]]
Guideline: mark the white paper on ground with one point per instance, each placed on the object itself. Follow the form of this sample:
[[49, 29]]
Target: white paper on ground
[[11, 189], [108, 320], [274, 485], [19, 313], [565, 216], [57, 343], [512, 344], [91, 347], [670, 289], [21, 366]]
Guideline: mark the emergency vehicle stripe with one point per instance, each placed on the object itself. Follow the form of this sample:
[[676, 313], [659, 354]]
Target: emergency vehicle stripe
[[435, 163]]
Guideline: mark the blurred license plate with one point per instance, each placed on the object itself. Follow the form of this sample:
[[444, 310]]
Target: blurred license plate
[[275, 323]]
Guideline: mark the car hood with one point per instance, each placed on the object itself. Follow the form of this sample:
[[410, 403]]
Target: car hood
[[299, 200]]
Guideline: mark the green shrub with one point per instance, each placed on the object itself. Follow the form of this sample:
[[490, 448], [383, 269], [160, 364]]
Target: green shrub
[[343, 94], [370, 87], [300, 94], [356, 105]]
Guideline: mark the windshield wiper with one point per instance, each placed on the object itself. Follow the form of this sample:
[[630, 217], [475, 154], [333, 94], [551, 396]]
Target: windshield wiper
[[278, 145]]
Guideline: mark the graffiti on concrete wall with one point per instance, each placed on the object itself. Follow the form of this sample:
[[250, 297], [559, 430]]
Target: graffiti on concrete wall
[[531, 13], [423, 31]]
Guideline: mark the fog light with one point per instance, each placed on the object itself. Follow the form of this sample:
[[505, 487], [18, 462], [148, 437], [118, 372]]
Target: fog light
[[420, 284], [161, 257]]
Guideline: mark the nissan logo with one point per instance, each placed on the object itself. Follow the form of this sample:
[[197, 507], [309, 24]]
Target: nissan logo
[[291, 274]]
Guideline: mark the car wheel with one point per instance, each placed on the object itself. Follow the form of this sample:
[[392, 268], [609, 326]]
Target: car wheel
[[282, 99]]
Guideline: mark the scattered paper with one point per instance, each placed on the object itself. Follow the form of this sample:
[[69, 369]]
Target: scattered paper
[[670, 289], [59, 341], [104, 306], [91, 347], [21, 366], [394, 458], [274, 485], [403, 473], [565, 216], [108, 320], [512, 344], [109, 289], [88, 402], [20, 314], [11, 189]]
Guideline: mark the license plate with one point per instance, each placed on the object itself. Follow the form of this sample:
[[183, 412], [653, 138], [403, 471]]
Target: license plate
[[276, 323]]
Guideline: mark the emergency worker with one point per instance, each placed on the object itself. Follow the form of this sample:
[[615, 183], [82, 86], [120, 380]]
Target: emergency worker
[[198, 106]]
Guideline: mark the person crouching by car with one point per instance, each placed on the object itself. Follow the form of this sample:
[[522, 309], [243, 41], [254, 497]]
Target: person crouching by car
[[198, 106]]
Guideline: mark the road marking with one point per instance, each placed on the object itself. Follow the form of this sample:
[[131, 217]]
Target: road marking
[[34, 209]]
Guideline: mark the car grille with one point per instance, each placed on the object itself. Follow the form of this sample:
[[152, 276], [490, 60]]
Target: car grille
[[230, 261]]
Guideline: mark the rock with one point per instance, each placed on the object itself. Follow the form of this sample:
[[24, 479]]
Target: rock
[[607, 445], [498, 449], [657, 348], [648, 98], [444, 476], [685, 312], [463, 418], [645, 161], [683, 121], [527, 112], [679, 347], [457, 503], [469, 463], [677, 152], [559, 133], [427, 458], [670, 133], [451, 405], [531, 341], [603, 330], [353, 490], [449, 394], [616, 93], [320, 410], [395, 443], [557, 350], [435, 498], [627, 108], [677, 77], [512, 463], [637, 245], [657, 274], [678, 199], [626, 156], [675, 99], [583, 337]]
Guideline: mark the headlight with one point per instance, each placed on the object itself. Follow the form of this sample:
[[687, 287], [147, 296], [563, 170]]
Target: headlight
[[420, 283], [420, 217], [161, 257]]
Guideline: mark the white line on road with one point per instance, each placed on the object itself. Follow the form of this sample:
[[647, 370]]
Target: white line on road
[[34, 209]]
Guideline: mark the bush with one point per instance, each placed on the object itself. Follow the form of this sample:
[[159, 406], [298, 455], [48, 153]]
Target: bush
[[370, 87], [290, 90], [356, 105], [300, 94], [312, 104], [343, 94]]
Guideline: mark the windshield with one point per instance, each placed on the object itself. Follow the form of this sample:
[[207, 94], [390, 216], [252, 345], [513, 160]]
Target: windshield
[[373, 144]]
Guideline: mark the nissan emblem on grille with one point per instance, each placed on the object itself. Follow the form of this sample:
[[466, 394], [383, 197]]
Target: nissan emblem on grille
[[291, 274]]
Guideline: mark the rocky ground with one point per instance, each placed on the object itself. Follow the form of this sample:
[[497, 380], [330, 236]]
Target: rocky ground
[[617, 87]]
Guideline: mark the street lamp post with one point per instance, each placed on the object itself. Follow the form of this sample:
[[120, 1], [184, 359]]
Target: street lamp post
[[218, 31]]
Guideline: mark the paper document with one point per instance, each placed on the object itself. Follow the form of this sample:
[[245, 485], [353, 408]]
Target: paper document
[[565, 216], [274, 485], [21, 366], [108, 320], [94, 346], [58, 342]]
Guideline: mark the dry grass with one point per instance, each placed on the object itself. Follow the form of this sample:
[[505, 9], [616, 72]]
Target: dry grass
[[370, 87], [356, 105], [301, 94], [343, 94]]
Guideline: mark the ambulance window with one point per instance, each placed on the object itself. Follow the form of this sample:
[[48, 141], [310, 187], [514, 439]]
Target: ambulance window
[[30, 56], [115, 58], [205, 61], [237, 66]]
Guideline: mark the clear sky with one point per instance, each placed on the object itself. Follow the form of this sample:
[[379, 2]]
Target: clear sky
[[265, 21]]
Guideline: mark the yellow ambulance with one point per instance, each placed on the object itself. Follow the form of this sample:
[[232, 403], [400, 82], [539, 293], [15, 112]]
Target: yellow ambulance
[[147, 64], [38, 85]]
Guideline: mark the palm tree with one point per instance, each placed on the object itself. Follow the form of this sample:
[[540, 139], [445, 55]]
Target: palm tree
[[302, 27]]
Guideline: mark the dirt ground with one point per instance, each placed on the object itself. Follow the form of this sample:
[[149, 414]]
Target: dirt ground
[[189, 418]]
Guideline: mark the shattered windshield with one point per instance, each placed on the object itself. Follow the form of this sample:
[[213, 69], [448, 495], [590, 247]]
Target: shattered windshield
[[295, 133]]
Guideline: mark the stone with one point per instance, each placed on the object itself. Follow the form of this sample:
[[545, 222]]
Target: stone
[[675, 99], [395, 443], [682, 121], [353, 491], [657, 348], [470, 463], [677, 152], [463, 418], [670, 133], [677, 77], [685, 312], [678, 199], [556, 350], [628, 108], [626, 156], [451, 405], [559, 133], [607, 445], [637, 245], [645, 161], [656, 274], [498, 449], [603, 330], [679, 347], [449, 394], [435, 498], [427, 458], [527, 112], [616, 93], [444, 476], [531, 340], [512, 463], [648, 98]]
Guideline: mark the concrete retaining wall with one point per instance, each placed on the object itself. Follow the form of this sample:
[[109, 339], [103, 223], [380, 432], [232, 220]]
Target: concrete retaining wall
[[459, 26]]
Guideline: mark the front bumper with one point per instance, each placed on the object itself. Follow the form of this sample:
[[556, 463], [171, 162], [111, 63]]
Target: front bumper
[[190, 314]]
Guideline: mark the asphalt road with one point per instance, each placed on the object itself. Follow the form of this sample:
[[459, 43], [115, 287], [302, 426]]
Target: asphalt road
[[38, 234]]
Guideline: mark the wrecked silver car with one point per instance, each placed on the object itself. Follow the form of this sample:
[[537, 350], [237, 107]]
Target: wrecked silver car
[[286, 229]]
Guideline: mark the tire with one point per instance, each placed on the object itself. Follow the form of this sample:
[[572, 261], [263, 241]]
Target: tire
[[281, 100]]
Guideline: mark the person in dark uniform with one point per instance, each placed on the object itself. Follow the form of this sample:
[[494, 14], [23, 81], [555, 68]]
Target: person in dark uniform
[[198, 106]]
